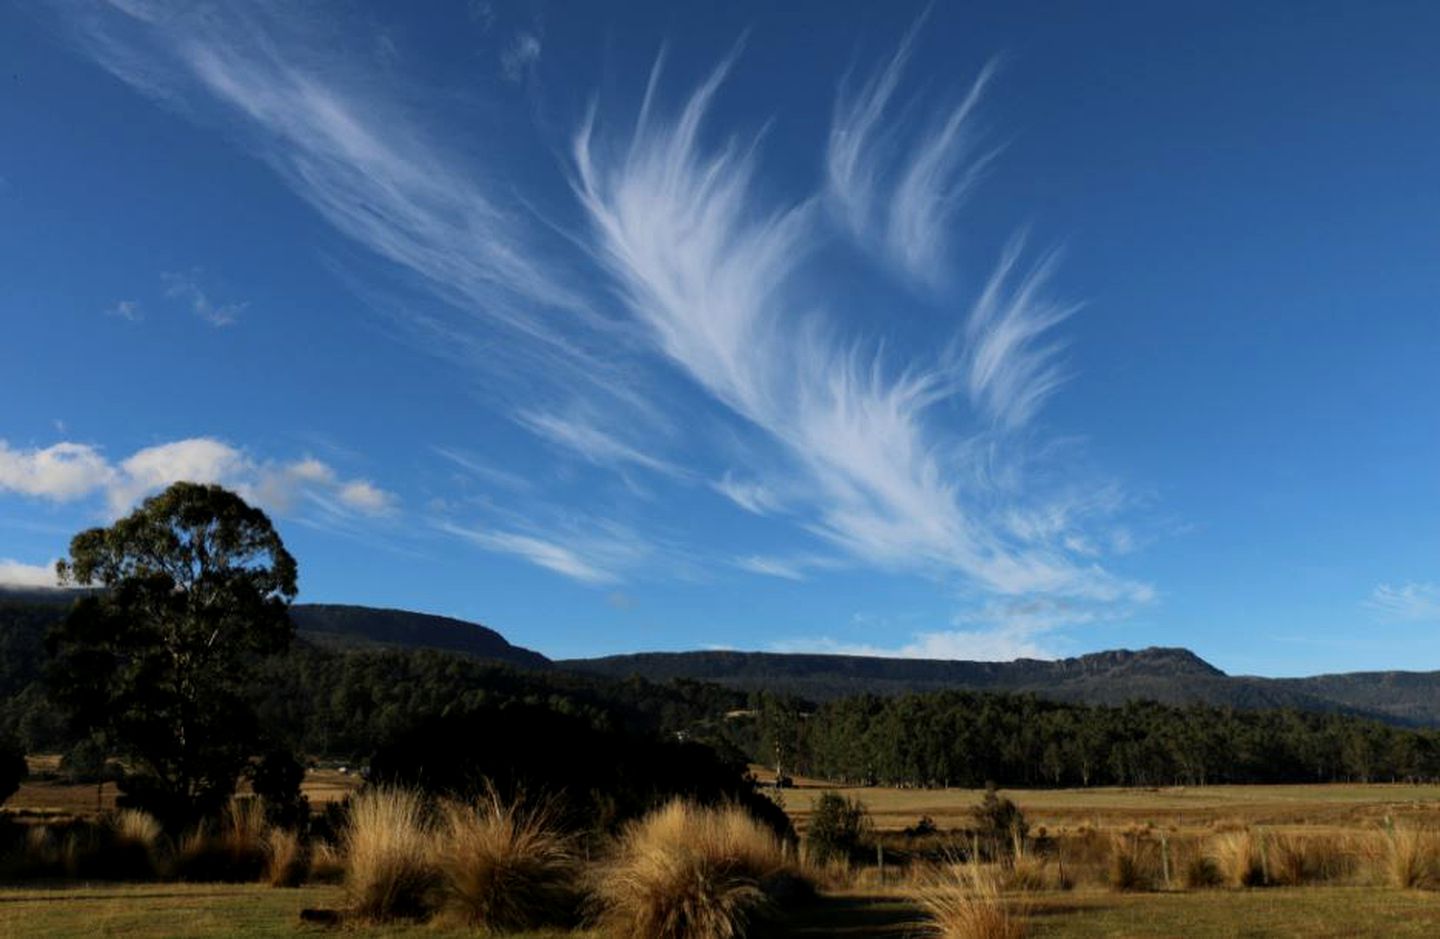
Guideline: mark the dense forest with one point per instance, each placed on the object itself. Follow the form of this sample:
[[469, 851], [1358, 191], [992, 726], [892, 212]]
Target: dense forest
[[967, 739], [340, 704]]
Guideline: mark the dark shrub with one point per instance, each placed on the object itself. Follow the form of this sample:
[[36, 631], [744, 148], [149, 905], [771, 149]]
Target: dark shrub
[[999, 823], [600, 778], [839, 827], [13, 769], [276, 779]]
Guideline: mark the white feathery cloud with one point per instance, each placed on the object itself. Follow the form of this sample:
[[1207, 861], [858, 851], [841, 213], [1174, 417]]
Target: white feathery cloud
[[902, 193], [595, 445], [187, 288], [753, 496], [520, 56], [707, 268], [128, 310], [999, 630], [602, 556], [1411, 602], [795, 567]]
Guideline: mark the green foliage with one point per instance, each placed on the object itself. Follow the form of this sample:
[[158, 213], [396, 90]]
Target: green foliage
[[839, 827], [12, 769], [999, 823], [194, 586], [964, 739]]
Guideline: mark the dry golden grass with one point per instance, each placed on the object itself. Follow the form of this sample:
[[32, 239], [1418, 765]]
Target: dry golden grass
[[506, 867], [139, 840], [966, 901], [1409, 858], [390, 870], [1131, 865], [687, 872], [287, 859], [1240, 857], [233, 850], [1188, 809]]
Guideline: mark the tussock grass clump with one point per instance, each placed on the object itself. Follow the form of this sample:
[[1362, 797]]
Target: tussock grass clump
[[1240, 858], [506, 867], [232, 850], [1129, 867], [327, 864], [287, 858], [1201, 872], [390, 869], [1296, 860], [1410, 858], [967, 902], [688, 872], [136, 843]]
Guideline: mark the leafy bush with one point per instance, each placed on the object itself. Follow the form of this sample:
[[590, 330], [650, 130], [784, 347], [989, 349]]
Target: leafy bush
[[601, 778], [276, 780], [999, 824], [838, 828]]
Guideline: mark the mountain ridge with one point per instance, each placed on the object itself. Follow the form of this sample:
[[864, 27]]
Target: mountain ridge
[[1169, 675]]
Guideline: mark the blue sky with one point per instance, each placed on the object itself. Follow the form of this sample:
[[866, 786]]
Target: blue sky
[[977, 331]]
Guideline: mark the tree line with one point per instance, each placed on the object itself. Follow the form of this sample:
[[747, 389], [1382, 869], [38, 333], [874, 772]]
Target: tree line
[[967, 739]]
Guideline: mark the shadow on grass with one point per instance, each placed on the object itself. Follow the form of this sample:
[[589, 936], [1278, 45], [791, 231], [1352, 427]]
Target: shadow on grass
[[871, 917]]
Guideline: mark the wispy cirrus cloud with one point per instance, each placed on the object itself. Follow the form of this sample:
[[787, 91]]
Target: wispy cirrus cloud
[[128, 310], [911, 463], [708, 268], [595, 445], [896, 188], [187, 288], [1410, 602], [753, 496], [998, 630], [600, 553]]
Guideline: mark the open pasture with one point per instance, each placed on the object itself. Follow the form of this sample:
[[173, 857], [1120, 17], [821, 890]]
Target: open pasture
[[1184, 808]]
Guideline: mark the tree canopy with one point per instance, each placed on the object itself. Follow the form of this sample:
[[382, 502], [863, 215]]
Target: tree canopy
[[193, 589]]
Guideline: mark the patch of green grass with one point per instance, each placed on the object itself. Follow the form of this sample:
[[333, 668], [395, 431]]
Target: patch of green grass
[[1311, 912], [191, 911]]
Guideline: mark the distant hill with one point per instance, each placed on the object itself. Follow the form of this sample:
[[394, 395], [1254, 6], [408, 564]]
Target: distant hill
[[1170, 676], [332, 626], [336, 626]]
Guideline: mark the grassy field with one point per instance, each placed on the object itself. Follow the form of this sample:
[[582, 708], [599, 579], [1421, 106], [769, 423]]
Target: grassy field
[[159, 911], [1336, 806], [178, 910], [867, 910]]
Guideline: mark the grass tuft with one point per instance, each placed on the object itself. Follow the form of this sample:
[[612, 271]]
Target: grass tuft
[[390, 870], [1410, 858], [1128, 871], [687, 872], [287, 859], [967, 902], [1240, 857], [506, 867]]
